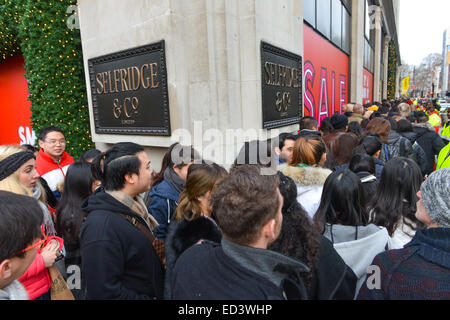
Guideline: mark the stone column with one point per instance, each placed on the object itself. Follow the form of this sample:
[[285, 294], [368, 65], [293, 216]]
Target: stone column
[[213, 60], [357, 55], [378, 56], [386, 66]]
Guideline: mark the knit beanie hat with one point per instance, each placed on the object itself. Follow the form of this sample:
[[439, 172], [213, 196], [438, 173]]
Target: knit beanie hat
[[339, 121], [436, 197]]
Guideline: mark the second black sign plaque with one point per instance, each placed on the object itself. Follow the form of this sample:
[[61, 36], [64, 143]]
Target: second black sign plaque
[[282, 103]]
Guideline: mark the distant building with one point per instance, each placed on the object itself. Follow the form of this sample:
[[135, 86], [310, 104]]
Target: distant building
[[445, 72]]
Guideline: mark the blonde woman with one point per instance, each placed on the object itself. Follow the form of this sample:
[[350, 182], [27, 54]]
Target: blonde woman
[[193, 217], [18, 175]]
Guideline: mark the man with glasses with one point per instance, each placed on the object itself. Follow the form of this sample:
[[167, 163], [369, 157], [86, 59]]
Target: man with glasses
[[53, 161], [20, 221]]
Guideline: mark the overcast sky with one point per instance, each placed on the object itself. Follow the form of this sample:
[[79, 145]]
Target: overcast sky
[[421, 29]]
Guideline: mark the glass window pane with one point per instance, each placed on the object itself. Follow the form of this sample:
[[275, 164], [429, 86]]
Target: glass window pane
[[348, 4], [309, 11], [324, 17], [336, 22], [367, 20], [346, 31]]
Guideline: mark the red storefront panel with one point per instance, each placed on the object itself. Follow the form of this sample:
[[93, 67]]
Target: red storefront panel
[[15, 117], [367, 87], [326, 76]]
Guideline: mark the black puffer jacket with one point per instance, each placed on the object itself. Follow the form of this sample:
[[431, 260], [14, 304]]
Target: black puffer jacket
[[430, 142], [182, 235], [421, 156], [118, 261]]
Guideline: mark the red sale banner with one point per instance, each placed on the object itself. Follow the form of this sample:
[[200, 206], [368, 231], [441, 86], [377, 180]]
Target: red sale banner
[[15, 127], [367, 87], [326, 76]]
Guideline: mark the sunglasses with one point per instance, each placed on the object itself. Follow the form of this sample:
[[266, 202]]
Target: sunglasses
[[38, 243]]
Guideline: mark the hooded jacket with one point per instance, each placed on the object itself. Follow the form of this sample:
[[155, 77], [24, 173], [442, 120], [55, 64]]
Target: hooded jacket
[[430, 142], [164, 201], [229, 271], [397, 146], [118, 261], [359, 245], [309, 181], [419, 271], [420, 154]]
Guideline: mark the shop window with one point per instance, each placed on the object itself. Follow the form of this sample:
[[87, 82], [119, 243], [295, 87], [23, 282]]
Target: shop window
[[336, 22], [309, 11], [324, 17]]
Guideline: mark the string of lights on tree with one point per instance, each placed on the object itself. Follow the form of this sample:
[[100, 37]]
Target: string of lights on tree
[[39, 31], [392, 70]]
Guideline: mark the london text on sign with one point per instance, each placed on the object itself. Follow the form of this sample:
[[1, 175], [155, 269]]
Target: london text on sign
[[281, 87], [129, 91]]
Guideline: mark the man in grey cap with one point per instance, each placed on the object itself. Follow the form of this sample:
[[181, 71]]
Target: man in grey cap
[[421, 270]]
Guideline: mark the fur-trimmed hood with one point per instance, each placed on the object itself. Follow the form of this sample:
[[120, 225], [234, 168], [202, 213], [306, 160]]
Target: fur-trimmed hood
[[307, 176]]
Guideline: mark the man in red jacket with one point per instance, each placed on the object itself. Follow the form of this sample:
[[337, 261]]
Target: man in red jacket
[[53, 161]]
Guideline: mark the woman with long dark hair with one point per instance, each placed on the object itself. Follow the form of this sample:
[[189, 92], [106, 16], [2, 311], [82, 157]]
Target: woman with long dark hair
[[394, 204], [329, 277], [78, 185], [342, 219], [192, 220]]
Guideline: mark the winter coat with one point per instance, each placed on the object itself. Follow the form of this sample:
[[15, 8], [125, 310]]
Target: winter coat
[[309, 181], [420, 154], [182, 235], [227, 271], [333, 279], [53, 172], [379, 165], [444, 158], [398, 146], [118, 261], [356, 117], [162, 206], [430, 142], [358, 246], [419, 271]]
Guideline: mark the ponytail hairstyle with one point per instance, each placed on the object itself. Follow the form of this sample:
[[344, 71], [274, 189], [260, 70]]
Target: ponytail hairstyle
[[308, 150], [201, 178], [110, 167]]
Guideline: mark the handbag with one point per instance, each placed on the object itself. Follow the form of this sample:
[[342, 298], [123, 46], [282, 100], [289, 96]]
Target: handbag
[[158, 245], [59, 289]]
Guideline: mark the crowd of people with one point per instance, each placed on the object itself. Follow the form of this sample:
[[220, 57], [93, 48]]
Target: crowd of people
[[355, 206]]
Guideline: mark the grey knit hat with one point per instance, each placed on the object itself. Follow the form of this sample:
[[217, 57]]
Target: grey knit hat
[[436, 197]]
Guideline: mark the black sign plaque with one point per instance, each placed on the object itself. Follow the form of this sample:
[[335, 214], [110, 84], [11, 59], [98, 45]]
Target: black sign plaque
[[129, 91], [282, 102]]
